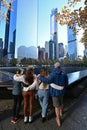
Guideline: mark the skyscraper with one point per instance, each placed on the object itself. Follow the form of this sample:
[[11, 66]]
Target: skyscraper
[[22, 27], [72, 45], [53, 31], [47, 48], [51, 50], [12, 31], [75, 47], [41, 53], [1, 51], [61, 50], [7, 28]]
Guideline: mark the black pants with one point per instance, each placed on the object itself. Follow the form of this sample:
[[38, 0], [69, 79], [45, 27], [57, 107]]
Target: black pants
[[17, 105]]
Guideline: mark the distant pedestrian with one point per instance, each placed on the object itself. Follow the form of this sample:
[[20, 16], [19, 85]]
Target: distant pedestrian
[[17, 96], [58, 77]]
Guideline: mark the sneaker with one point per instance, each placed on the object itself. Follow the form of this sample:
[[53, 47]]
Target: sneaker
[[13, 121], [25, 119], [30, 119], [17, 119]]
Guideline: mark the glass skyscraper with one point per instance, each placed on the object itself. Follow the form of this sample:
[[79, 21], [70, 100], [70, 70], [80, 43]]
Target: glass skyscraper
[[12, 31], [7, 29], [72, 45], [22, 27], [75, 47], [53, 32]]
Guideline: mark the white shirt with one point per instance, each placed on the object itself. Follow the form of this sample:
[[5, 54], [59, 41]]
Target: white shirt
[[35, 84]]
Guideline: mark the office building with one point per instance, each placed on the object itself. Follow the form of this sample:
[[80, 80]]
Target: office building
[[51, 50], [26, 52], [22, 28], [53, 32], [1, 51], [61, 50], [47, 49], [72, 45], [41, 53], [75, 47], [7, 29]]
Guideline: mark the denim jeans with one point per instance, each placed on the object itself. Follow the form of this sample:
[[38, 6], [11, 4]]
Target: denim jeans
[[43, 96], [17, 105]]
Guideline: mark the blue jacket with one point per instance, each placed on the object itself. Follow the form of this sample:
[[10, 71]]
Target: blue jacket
[[58, 77], [17, 88]]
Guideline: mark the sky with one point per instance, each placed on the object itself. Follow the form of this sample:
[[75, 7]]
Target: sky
[[44, 20], [44, 11]]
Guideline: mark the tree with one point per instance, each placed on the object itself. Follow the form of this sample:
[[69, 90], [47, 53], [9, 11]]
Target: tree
[[5, 5], [84, 38], [77, 16], [13, 62]]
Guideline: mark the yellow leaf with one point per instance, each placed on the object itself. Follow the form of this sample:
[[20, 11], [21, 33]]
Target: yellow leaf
[[63, 9]]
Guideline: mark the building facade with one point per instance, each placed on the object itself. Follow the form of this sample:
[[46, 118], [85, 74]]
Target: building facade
[[47, 49], [75, 47], [22, 28], [72, 45], [51, 50], [61, 50], [7, 29], [41, 53], [54, 32], [12, 32], [1, 51]]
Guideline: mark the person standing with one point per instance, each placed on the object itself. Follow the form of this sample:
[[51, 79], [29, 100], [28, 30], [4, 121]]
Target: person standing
[[17, 96], [58, 77], [28, 96], [43, 92]]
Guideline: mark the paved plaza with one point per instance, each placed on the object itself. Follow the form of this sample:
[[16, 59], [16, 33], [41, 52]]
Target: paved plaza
[[74, 118]]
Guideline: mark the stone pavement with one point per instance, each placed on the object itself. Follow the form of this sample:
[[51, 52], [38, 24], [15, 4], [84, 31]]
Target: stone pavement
[[74, 118]]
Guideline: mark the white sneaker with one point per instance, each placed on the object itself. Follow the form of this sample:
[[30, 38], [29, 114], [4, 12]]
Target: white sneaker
[[30, 118], [25, 119]]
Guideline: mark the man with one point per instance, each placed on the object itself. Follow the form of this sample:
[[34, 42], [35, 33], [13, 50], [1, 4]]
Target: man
[[58, 77]]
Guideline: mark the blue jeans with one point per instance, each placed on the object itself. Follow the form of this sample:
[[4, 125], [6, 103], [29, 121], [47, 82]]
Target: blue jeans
[[43, 95]]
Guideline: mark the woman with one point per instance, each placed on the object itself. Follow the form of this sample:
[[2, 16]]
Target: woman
[[43, 92], [17, 96], [28, 96]]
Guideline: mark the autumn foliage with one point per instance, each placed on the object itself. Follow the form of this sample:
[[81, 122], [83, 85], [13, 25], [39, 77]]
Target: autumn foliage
[[78, 16], [3, 6]]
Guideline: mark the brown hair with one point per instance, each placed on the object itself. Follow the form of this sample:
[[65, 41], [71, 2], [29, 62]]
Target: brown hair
[[29, 77], [45, 70], [19, 71]]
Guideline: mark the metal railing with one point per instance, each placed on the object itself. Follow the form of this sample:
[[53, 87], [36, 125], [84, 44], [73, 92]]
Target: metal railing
[[7, 77]]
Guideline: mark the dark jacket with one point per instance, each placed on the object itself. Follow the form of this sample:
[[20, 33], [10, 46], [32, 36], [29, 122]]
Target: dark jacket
[[58, 77], [17, 88]]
